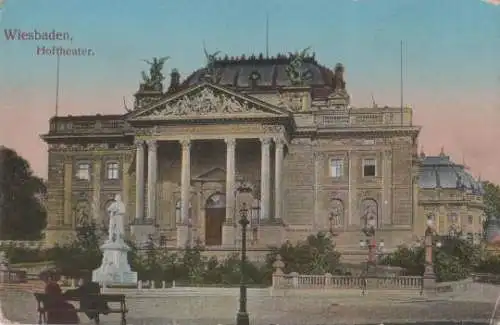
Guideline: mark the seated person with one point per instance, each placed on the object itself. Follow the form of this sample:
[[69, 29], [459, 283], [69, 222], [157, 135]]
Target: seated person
[[89, 292], [60, 311]]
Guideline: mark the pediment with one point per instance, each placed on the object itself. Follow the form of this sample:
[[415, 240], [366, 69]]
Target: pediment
[[208, 101], [214, 174]]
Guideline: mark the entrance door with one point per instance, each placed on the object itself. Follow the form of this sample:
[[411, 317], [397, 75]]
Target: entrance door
[[215, 215]]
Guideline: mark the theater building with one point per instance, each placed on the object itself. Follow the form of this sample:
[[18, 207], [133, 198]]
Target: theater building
[[278, 134]]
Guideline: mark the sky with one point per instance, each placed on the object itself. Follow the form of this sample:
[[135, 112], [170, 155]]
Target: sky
[[451, 59]]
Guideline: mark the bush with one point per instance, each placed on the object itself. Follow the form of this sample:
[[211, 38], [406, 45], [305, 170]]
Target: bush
[[456, 259], [316, 255]]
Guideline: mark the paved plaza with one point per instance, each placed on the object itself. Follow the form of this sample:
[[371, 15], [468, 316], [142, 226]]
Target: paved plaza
[[199, 307]]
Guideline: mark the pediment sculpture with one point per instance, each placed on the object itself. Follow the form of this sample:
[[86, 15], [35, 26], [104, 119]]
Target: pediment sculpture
[[205, 102]]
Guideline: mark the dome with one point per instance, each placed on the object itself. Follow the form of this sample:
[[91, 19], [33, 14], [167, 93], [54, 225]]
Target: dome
[[441, 172], [263, 73]]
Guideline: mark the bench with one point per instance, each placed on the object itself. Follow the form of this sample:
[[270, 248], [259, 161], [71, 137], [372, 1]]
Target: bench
[[42, 298]]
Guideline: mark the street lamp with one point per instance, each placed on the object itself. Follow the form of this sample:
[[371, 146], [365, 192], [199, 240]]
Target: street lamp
[[429, 279], [369, 231], [242, 317]]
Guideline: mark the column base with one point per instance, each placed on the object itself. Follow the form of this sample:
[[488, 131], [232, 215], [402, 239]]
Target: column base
[[429, 283], [182, 236], [228, 235], [141, 231]]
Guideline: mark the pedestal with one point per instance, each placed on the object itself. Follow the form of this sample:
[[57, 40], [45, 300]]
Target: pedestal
[[228, 235], [429, 283], [141, 231], [114, 269], [182, 236]]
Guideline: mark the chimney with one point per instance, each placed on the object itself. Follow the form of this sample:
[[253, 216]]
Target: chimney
[[175, 80]]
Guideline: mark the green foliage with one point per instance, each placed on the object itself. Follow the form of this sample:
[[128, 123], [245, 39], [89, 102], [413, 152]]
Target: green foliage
[[23, 216], [492, 203], [315, 255], [456, 259]]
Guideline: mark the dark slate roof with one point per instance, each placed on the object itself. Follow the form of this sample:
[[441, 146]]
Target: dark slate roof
[[236, 72], [441, 172]]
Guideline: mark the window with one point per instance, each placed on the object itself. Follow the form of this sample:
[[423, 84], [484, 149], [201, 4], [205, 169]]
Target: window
[[369, 167], [112, 170], [83, 171], [470, 219], [336, 168]]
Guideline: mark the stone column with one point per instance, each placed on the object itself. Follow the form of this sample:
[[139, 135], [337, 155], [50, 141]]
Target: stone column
[[139, 181], [278, 179], [185, 179], [230, 179], [152, 173], [265, 181], [228, 230], [184, 229]]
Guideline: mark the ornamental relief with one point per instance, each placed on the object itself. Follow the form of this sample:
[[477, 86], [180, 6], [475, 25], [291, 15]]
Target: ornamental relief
[[204, 102], [87, 147], [369, 194]]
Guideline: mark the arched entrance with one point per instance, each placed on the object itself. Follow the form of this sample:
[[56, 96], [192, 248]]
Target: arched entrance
[[215, 215]]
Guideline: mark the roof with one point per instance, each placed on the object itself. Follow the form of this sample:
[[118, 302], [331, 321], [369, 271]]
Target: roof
[[441, 172], [271, 73]]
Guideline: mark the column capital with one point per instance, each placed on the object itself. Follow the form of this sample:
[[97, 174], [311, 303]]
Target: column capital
[[185, 143], [139, 143], [280, 142], [152, 144], [230, 142], [266, 141]]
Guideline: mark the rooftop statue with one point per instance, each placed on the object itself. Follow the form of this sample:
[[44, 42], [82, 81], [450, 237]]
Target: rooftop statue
[[295, 70], [156, 77], [211, 73]]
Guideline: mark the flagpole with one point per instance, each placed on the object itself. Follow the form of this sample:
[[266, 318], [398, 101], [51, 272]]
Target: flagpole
[[57, 85], [401, 83], [267, 35]]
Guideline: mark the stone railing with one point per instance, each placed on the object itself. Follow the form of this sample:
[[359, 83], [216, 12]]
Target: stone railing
[[388, 117], [32, 244], [328, 281], [84, 124]]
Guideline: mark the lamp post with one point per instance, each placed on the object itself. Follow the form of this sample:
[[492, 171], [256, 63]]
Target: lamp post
[[429, 278], [242, 317], [369, 231]]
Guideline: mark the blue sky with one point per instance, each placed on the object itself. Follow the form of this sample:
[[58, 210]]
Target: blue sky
[[451, 56]]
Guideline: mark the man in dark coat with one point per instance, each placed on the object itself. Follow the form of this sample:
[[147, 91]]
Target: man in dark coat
[[89, 292]]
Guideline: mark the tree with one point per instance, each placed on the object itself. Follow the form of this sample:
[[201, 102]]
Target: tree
[[456, 259], [315, 255], [22, 214], [492, 202], [82, 254]]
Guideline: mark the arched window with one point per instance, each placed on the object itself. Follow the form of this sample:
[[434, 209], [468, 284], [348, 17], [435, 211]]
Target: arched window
[[178, 216]]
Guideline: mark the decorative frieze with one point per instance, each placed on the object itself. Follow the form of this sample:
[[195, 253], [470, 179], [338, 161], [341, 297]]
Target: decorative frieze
[[88, 147], [204, 102]]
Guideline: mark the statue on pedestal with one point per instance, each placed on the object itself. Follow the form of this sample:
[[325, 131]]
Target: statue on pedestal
[[114, 269]]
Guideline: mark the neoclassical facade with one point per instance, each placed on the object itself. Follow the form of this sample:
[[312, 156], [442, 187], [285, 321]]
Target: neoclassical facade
[[278, 134]]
